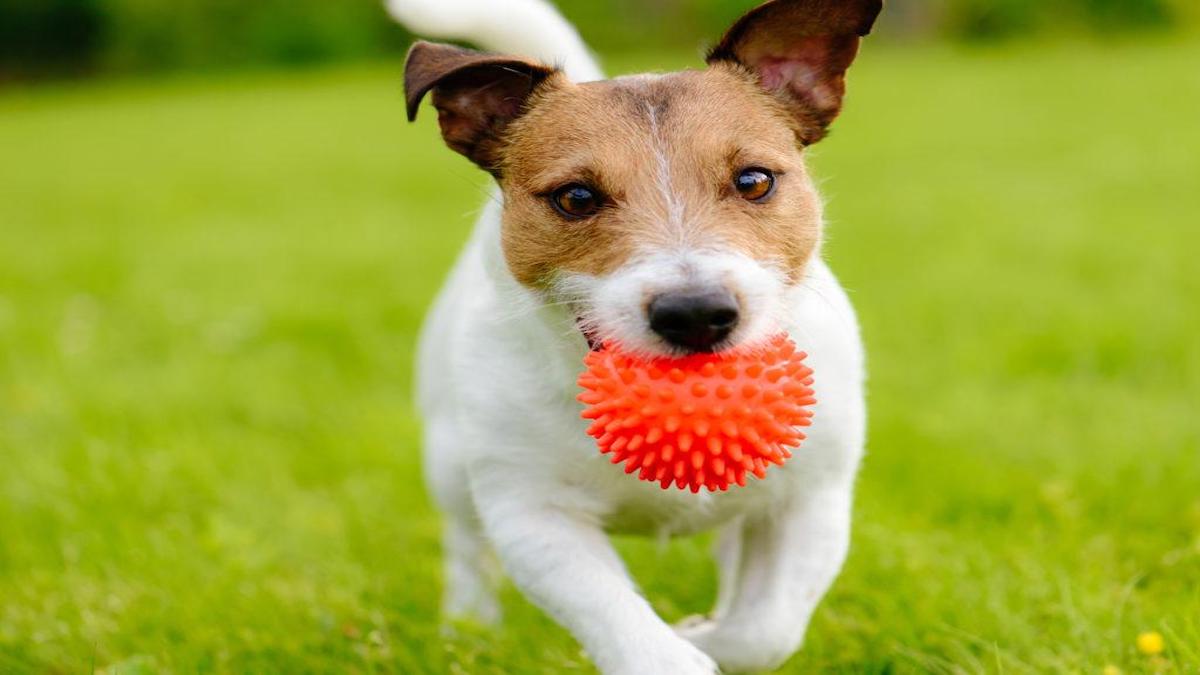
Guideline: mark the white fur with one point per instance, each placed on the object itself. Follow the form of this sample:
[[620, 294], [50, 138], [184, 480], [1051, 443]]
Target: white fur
[[613, 307], [673, 205], [508, 462]]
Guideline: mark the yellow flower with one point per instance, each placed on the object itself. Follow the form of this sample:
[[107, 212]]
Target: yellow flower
[[1150, 643], [1111, 670]]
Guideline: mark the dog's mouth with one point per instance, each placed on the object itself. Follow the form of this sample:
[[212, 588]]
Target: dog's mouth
[[594, 342]]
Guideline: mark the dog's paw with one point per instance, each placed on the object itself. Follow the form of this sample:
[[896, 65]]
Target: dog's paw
[[684, 659], [695, 622], [738, 649], [673, 657]]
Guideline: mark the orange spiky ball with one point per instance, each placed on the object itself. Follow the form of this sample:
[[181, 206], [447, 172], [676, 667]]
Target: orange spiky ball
[[704, 420]]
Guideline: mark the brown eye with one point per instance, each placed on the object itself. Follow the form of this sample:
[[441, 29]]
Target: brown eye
[[575, 201], [755, 184]]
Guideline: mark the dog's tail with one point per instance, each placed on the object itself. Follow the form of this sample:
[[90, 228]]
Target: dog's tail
[[530, 28]]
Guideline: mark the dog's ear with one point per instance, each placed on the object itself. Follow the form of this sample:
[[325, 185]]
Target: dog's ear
[[476, 95], [800, 50]]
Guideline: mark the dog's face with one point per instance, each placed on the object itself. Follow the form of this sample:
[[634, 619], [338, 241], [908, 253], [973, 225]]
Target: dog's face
[[673, 212]]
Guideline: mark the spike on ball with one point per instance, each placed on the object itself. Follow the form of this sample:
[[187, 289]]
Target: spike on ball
[[701, 421]]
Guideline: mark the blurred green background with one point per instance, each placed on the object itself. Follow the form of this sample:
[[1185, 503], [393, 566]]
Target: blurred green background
[[212, 271], [40, 38]]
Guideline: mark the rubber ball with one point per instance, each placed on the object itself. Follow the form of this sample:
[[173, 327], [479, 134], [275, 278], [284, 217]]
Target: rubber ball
[[702, 421]]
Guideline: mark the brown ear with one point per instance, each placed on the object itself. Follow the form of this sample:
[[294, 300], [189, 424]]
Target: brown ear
[[800, 50], [476, 95]]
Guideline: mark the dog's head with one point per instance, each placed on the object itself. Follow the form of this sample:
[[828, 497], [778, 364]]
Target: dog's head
[[672, 213]]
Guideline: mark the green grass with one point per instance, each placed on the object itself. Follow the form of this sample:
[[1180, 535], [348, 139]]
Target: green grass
[[210, 288]]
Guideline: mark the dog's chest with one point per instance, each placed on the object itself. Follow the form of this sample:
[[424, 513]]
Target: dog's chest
[[587, 481], [673, 513], [627, 505]]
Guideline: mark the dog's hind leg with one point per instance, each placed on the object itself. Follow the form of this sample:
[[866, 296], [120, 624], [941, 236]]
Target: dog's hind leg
[[727, 550], [788, 561], [471, 573]]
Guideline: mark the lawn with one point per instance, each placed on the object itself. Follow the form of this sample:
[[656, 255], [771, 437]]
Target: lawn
[[210, 288]]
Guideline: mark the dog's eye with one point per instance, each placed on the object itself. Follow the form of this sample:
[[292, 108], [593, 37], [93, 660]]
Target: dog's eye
[[755, 184], [575, 201]]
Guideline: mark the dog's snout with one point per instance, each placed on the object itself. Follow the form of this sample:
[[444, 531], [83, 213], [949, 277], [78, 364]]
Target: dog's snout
[[694, 321]]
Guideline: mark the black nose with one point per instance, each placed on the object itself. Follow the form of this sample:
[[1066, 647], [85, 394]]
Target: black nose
[[694, 321]]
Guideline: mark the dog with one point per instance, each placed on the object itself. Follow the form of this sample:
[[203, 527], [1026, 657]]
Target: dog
[[670, 214]]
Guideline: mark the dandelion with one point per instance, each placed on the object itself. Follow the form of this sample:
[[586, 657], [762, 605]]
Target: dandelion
[[1150, 643], [1110, 670]]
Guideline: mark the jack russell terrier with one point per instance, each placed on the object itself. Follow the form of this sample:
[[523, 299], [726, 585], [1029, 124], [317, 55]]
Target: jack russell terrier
[[670, 214]]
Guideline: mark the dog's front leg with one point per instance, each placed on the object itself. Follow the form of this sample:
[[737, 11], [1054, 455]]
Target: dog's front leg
[[566, 565], [788, 560]]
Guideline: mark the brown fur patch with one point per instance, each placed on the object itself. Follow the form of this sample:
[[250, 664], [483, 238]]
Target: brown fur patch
[[664, 150], [800, 50], [476, 95]]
